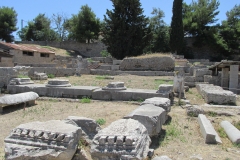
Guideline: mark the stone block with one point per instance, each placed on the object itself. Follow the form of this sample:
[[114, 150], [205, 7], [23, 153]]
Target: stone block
[[105, 67], [117, 62], [124, 138], [194, 111], [164, 63], [208, 132], [162, 158], [159, 102], [20, 81], [53, 139], [165, 88], [151, 116], [58, 83], [190, 79], [115, 67], [89, 126], [200, 72], [232, 132]]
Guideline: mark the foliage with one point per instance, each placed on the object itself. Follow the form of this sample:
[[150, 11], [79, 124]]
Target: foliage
[[51, 76], [38, 30], [101, 121], [59, 20], [126, 30], [221, 132], [160, 40], [83, 26], [85, 100], [105, 53], [8, 22], [22, 76], [176, 32], [230, 30]]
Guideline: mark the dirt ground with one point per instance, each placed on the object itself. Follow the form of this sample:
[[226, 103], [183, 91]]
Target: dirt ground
[[180, 138]]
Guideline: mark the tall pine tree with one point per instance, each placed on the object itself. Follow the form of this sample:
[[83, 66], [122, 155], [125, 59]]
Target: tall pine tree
[[126, 31], [176, 33]]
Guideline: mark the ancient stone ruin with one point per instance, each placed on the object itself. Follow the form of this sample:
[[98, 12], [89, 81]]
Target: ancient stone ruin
[[53, 139], [58, 83], [122, 139]]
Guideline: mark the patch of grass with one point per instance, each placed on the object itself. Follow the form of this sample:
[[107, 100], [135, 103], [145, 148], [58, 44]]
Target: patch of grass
[[85, 100], [48, 47], [221, 132], [212, 114], [67, 53], [190, 92], [105, 53], [82, 143], [89, 60], [153, 55], [51, 76], [22, 76], [53, 100], [101, 121], [161, 81], [237, 125], [100, 77]]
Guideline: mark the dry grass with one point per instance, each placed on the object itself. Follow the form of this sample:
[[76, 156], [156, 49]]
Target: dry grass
[[180, 137], [152, 55]]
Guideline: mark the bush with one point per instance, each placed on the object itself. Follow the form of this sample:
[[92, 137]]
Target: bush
[[85, 100], [101, 121], [105, 53], [51, 76], [22, 76]]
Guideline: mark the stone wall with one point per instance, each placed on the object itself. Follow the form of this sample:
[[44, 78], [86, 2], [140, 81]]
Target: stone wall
[[86, 50], [18, 57], [6, 62]]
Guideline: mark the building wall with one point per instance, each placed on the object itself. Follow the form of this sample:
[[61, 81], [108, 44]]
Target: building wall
[[84, 49], [19, 58], [6, 62]]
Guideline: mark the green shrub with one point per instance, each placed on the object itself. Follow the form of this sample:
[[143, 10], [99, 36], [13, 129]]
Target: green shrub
[[85, 100], [105, 53], [101, 121], [51, 76], [22, 76]]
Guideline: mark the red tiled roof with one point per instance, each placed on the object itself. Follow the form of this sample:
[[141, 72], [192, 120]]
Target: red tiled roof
[[26, 48]]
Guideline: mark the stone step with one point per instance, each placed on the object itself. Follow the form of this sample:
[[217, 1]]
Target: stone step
[[105, 67]]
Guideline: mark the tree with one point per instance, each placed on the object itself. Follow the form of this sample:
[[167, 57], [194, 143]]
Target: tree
[[84, 26], [59, 20], [230, 29], [199, 16], [38, 30], [176, 32], [8, 22], [160, 39], [126, 31]]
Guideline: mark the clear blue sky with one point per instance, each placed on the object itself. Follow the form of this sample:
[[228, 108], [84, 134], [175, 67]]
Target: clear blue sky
[[29, 9]]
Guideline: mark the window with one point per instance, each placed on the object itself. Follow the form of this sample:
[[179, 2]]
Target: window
[[26, 53], [44, 55]]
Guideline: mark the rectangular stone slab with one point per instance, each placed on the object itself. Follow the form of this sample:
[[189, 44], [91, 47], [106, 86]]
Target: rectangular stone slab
[[207, 130], [152, 117]]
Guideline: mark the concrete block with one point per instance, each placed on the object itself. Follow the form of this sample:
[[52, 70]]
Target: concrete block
[[152, 117], [208, 132], [232, 132]]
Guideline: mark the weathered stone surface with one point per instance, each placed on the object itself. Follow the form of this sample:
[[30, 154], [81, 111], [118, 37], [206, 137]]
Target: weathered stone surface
[[20, 81], [216, 95], [164, 63], [200, 72], [122, 138], [194, 110], [58, 83], [55, 140], [151, 116], [115, 86], [39, 76], [159, 102], [207, 130], [89, 126], [27, 97], [165, 88], [232, 132]]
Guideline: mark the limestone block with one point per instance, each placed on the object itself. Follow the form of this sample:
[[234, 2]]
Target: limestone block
[[115, 67], [124, 137], [152, 117], [162, 158], [105, 67], [232, 132], [58, 83], [53, 139], [39, 76], [89, 126], [20, 81], [194, 111], [207, 130], [200, 72], [117, 62], [190, 79], [159, 102], [164, 63], [165, 88]]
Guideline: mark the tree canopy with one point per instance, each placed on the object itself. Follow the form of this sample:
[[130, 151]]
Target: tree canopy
[[84, 26], [38, 30], [126, 31], [8, 22], [176, 32]]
